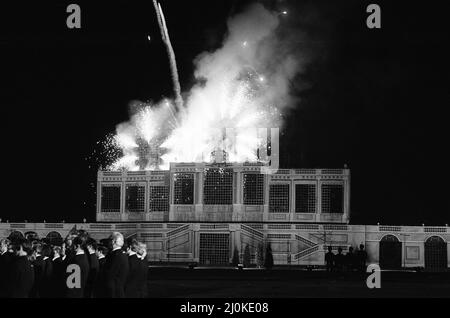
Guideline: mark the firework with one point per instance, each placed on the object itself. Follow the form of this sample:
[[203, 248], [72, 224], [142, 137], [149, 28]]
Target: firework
[[241, 87], [171, 54]]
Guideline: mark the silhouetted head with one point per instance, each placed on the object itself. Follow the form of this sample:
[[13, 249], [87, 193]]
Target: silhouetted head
[[132, 244], [350, 249], [47, 250], [91, 245], [361, 247], [101, 250], [340, 250], [78, 244], [330, 248], [21, 247]]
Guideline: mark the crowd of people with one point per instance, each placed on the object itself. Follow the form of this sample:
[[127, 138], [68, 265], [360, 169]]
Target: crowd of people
[[37, 269], [348, 262]]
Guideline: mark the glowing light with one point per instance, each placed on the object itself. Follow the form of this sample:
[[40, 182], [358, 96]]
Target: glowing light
[[222, 111]]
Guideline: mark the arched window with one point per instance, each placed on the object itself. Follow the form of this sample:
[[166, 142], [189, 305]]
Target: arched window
[[390, 255], [435, 254]]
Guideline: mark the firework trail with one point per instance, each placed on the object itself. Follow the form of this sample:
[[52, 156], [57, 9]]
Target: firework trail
[[171, 54], [163, 37], [241, 87]]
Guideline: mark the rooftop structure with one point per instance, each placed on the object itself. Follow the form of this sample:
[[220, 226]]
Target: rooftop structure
[[227, 192]]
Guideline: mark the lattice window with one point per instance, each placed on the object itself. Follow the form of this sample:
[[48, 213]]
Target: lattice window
[[135, 198], [110, 198], [253, 189], [332, 198], [279, 198], [158, 199], [218, 187], [183, 188], [214, 249], [436, 254], [305, 198]]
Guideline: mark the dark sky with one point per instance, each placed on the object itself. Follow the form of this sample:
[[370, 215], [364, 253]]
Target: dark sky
[[375, 100]]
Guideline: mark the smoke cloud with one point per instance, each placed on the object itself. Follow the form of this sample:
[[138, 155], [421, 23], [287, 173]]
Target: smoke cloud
[[245, 84]]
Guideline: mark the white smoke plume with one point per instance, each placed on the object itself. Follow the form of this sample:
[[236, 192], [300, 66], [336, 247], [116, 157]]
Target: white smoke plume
[[245, 84]]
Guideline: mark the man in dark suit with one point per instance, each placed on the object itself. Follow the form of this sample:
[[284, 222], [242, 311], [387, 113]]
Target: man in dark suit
[[91, 246], [80, 259], [101, 253], [329, 259], [46, 289], [133, 283], [39, 270], [362, 258], [22, 274], [100, 286], [6, 258], [350, 259], [143, 270], [58, 281], [116, 268], [339, 260]]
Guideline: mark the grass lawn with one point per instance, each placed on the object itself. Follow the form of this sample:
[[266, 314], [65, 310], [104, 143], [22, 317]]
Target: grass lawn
[[290, 283]]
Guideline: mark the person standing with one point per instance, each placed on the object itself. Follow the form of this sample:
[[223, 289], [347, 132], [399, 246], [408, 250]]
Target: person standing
[[39, 270], [339, 260], [58, 276], [132, 284], [362, 258], [45, 290], [100, 286], [116, 268], [329, 259], [91, 246], [350, 259], [101, 253], [143, 271], [22, 274], [80, 259], [6, 258]]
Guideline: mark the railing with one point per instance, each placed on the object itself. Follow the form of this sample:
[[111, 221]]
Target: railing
[[305, 253], [152, 226], [305, 240], [214, 226], [279, 236], [279, 226], [178, 230], [435, 229], [384, 228], [252, 231], [335, 227]]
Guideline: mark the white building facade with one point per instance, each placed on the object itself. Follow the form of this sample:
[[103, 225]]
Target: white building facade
[[202, 213]]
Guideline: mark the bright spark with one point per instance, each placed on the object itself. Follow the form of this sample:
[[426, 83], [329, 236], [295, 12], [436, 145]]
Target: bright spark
[[223, 111]]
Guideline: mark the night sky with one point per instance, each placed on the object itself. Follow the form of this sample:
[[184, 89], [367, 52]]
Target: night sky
[[375, 100]]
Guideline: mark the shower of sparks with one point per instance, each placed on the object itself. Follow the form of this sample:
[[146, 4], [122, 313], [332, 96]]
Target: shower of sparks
[[237, 91]]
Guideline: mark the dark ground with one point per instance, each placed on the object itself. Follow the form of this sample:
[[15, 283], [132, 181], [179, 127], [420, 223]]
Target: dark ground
[[282, 283]]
